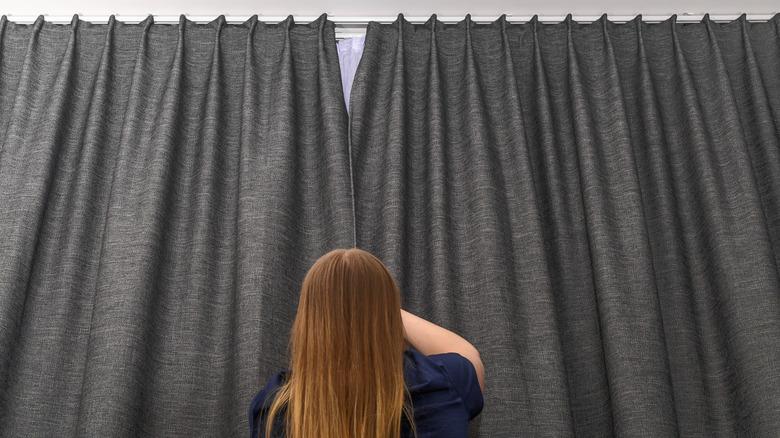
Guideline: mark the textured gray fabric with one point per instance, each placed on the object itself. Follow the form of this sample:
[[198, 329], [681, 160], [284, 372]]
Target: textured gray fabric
[[596, 206], [164, 188]]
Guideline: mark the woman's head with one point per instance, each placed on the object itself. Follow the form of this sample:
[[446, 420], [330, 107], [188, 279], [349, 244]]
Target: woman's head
[[346, 351]]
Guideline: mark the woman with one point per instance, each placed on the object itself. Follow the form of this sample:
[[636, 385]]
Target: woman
[[360, 366]]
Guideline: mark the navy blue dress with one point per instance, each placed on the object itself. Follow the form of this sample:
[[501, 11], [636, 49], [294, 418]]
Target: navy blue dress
[[444, 388]]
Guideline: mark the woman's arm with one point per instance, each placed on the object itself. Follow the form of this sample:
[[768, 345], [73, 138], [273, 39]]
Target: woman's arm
[[429, 338]]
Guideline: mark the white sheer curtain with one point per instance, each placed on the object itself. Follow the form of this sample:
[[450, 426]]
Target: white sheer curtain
[[350, 50]]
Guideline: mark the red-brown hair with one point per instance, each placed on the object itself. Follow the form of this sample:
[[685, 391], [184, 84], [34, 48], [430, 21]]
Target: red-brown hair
[[346, 353]]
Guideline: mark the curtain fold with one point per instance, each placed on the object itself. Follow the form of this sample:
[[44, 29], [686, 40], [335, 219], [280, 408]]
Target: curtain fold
[[164, 189], [593, 205]]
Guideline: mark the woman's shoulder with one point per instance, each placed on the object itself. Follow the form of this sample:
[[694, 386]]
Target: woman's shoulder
[[261, 401], [262, 398], [425, 371], [452, 370], [439, 362]]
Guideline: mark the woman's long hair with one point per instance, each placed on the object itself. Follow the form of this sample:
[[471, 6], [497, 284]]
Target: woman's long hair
[[346, 353]]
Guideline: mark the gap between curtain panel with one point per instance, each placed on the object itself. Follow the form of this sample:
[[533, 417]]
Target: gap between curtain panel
[[350, 50]]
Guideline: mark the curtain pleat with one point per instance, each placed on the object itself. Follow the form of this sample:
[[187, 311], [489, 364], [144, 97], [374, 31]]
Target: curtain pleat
[[164, 189], [593, 205]]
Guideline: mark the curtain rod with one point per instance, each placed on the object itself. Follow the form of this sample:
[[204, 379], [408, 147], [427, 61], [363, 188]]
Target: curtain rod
[[347, 27]]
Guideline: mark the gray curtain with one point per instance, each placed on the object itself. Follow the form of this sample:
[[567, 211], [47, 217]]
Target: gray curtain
[[163, 190], [596, 206]]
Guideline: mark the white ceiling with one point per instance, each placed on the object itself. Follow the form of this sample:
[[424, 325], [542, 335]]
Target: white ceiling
[[375, 8]]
